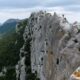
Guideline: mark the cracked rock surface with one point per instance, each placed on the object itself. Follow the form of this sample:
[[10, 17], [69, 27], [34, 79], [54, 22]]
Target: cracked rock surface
[[55, 46]]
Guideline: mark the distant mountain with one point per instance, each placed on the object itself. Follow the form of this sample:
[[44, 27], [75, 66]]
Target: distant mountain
[[0, 24], [8, 26], [11, 21]]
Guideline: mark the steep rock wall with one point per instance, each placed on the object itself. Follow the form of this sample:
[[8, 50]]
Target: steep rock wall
[[54, 46], [51, 55], [44, 48]]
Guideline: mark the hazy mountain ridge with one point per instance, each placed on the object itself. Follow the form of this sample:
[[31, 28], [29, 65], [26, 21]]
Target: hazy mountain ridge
[[11, 20], [8, 26]]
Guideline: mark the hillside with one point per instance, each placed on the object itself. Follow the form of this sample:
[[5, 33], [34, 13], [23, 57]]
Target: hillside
[[8, 26], [9, 50]]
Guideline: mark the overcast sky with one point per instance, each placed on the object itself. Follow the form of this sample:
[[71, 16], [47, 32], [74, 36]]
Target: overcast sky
[[22, 8]]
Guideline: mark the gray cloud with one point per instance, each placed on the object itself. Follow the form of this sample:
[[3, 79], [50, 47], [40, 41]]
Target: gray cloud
[[73, 8], [62, 3], [33, 3], [22, 8], [18, 3]]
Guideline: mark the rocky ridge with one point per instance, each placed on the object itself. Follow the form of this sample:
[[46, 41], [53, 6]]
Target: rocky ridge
[[52, 45]]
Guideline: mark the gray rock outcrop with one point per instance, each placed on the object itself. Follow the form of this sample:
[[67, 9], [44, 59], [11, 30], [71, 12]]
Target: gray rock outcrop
[[55, 46]]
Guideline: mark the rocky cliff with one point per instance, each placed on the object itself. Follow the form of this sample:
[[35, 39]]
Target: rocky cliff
[[51, 49]]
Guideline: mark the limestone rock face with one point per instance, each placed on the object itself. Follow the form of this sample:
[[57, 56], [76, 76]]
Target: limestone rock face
[[55, 50], [21, 66], [44, 48]]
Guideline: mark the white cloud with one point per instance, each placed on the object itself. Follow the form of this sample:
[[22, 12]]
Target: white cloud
[[72, 16], [22, 13], [18, 14]]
